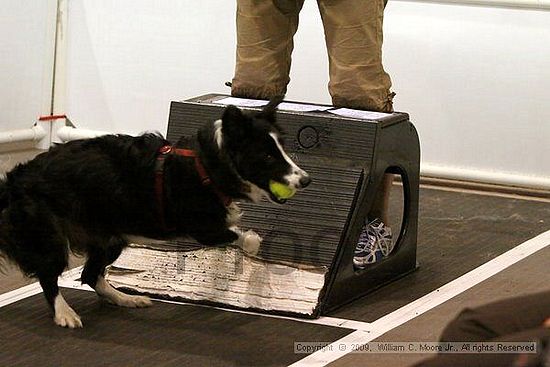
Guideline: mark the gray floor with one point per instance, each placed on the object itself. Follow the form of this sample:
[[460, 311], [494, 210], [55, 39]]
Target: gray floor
[[530, 275], [162, 335], [458, 231]]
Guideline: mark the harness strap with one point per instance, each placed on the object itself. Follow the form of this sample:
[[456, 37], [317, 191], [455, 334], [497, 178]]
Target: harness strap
[[159, 179]]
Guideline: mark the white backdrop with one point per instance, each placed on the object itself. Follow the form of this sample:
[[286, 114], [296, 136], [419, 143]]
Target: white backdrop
[[476, 82], [474, 79], [128, 59], [27, 38]]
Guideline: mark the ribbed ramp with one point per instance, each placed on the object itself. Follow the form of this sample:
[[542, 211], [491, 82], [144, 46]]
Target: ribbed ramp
[[304, 264], [305, 229]]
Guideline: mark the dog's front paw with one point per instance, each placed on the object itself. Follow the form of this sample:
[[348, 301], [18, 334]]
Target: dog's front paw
[[130, 301], [251, 242]]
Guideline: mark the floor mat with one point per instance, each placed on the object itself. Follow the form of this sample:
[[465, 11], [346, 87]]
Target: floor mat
[[457, 233], [162, 335]]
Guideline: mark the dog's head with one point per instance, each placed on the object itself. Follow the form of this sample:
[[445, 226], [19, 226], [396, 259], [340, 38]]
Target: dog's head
[[253, 142]]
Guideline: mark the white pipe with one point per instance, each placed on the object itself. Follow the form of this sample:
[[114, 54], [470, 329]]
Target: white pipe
[[67, 133], [490, 177], [34, 135], [521, 4]]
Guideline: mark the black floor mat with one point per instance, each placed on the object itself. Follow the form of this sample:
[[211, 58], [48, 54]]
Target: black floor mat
[[162, 335], [457, 233]]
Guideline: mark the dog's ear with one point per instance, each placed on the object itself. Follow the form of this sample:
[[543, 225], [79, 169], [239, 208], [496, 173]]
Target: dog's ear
[[268, 112], [232, 121]]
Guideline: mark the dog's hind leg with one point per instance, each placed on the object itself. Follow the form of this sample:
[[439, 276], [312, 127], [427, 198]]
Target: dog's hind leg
[[47, 275], [40, 250], [64, 315], [94, 275]]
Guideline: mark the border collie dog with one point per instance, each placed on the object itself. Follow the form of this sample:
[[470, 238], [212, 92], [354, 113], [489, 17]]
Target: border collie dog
[[91, 196]]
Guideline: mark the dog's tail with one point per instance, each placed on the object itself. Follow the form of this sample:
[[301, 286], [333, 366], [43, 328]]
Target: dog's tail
[[4, 202], [3, 194]]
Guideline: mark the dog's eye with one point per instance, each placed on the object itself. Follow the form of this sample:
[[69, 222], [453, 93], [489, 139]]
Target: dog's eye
[[269, 158]]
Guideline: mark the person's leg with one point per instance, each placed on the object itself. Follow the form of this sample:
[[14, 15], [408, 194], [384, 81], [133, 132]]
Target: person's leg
[[353, 34], [382, 200], [265, 29]]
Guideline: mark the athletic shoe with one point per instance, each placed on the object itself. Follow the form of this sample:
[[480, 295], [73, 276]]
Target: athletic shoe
[[375, 243]]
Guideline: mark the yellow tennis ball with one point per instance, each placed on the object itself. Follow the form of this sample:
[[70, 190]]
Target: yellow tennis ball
[[281, 191]]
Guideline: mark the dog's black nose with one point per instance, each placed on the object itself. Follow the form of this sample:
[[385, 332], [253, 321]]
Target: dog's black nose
[[305, 181]]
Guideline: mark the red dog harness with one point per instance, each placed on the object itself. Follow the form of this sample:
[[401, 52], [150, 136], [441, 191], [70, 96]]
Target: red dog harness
[[159, 179]]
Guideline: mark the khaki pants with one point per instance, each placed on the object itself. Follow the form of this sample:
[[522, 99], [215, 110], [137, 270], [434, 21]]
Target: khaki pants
[[353, 34]]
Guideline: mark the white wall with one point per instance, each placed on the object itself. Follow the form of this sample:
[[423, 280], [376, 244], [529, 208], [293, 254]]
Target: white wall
[[128, 59], [476, 82], [474, 79], [27, 35]]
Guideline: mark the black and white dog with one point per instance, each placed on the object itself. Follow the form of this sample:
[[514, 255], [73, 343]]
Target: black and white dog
[[90, 195]]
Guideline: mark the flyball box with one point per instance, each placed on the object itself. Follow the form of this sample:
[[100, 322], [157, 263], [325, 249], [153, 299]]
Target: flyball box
[[304, 266]]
